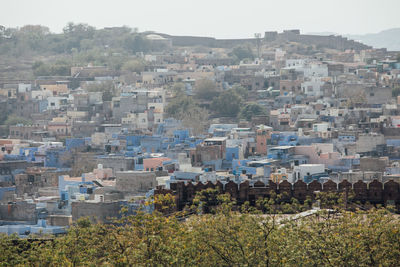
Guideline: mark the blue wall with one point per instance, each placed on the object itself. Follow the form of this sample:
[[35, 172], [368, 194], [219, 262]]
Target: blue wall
[[151, 144], [54, 158], [232, 153], [3, 190], [393, 142], [72, 143]]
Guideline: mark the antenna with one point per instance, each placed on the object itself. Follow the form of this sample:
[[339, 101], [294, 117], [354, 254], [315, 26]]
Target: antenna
[[258, 42]]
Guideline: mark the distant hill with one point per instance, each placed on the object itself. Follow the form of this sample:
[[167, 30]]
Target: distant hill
[[389, 39]]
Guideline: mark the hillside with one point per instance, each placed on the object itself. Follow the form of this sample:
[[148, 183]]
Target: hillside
[[389, 39]]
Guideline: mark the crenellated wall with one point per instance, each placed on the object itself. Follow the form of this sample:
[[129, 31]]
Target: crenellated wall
[[335, 42], [374, 192]]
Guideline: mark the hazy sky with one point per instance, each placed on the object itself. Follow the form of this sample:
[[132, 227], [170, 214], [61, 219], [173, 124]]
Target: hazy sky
[[215, 18]]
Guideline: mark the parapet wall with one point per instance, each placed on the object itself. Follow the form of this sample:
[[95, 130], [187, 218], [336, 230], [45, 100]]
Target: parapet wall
[[334, 42], [374, 192]]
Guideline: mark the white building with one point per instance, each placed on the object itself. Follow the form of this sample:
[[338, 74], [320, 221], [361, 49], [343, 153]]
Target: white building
[[24, 87], [56, 102], [41, 94], [306, 170], [320, 127], [312, 87]]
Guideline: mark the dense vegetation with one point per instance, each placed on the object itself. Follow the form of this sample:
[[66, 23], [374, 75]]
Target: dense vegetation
[[209, 99], [32, 50], [225, 238], [37, 39]]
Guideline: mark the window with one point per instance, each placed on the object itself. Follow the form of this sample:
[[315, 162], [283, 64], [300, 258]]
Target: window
[[31, 178]]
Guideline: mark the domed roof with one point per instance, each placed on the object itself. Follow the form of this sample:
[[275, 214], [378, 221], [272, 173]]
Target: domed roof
[[155, 37]]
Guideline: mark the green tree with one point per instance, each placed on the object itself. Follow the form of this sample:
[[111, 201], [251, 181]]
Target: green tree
[[242, 52], [179, 105], [134, 65], [227, 103], [178, 89], [240, 90], [14, 120], [206, 89], [225, 238], [60, 68], [75, 33], [107, 88], [250, 110], [396, 91], [136, 43], [184, 108], [196, 119]]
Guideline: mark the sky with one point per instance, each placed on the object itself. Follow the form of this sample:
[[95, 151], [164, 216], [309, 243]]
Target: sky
[[213, 18]]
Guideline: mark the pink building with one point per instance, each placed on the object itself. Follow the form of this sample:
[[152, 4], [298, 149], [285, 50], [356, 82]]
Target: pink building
[[263, 134], [152, 164], [319, 153]]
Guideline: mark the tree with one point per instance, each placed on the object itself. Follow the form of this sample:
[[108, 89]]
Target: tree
[[225, 238], [240, 90], [355, 97], [134, 65], [396, 91], [242, 52], [178, 88], [179, 105], [250, 110], [206, 89], [34, 36], [61, 68], [14, 120], [136, 43], [107, 88], [75, 33], [227, 103], [196, 119]]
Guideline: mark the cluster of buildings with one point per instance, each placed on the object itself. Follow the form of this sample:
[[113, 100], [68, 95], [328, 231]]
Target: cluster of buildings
[[331, 122]]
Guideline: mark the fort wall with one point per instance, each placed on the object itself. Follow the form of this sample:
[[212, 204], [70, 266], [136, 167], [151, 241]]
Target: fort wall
[[374, 192]]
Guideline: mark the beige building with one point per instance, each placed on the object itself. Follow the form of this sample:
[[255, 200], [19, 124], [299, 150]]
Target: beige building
[[56, 89], [135, 182]]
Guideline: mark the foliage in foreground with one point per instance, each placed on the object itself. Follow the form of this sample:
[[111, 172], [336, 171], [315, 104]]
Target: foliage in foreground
[[225, 238]]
